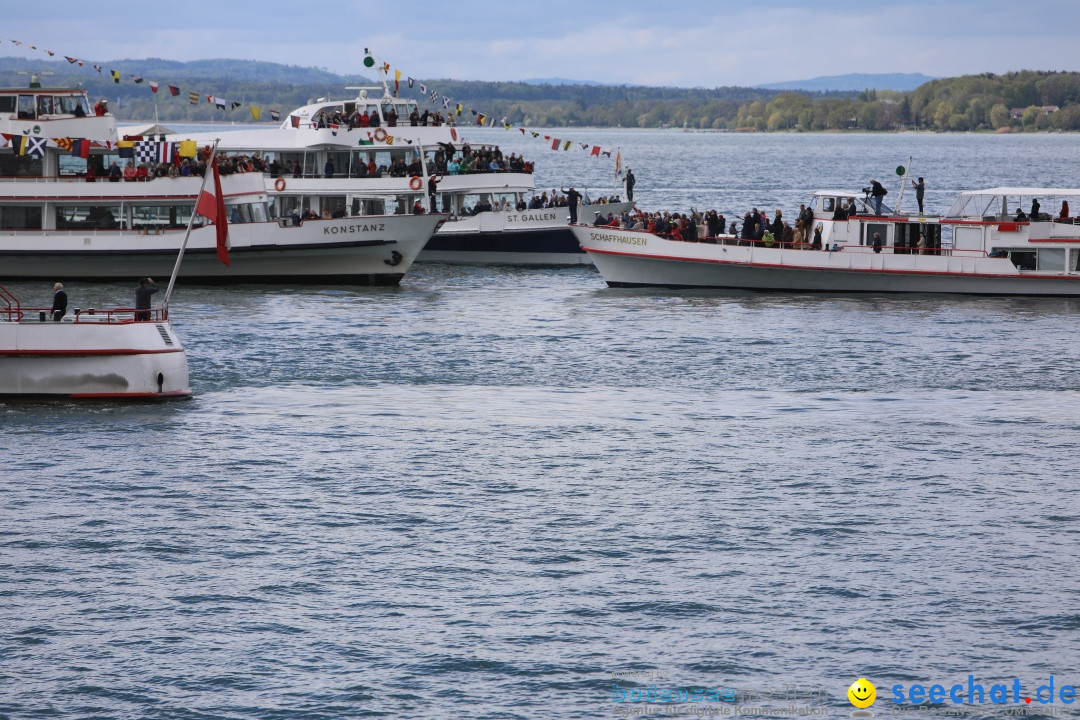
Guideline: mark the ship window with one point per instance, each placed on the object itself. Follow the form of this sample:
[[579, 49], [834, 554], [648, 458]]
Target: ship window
[[1023, 259], [26, 107], [7, 103], [1052, 259], [88, 217], [20, 218], [45, 105], [160, 216], [1075, 264], [829, 205], [21, 165]]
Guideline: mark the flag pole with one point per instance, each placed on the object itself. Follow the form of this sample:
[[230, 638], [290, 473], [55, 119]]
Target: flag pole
[[191, 222]]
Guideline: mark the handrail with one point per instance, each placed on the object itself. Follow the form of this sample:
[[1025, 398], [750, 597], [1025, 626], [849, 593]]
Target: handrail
[[112, 316], [11, 305]]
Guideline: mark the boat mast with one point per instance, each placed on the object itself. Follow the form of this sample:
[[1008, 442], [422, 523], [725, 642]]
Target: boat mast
[[903, 183], [191, 222]]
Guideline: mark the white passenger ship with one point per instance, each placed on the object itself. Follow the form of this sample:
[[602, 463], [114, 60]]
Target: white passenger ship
[[979, 247], [62, 218], [328, 162]]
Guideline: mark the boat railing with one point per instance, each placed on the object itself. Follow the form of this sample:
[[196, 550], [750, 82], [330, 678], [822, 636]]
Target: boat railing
[[9, 306], [836, 247], [10, 311]]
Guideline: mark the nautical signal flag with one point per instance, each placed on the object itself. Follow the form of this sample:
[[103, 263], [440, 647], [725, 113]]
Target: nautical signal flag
[[275, 115], [173, 90], [193, 98], [80, 148], [212, 207]]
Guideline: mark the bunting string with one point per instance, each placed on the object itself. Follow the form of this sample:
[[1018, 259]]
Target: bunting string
[[440, 101]]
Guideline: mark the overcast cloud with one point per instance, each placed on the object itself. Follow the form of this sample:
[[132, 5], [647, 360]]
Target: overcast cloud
[[689, 43]]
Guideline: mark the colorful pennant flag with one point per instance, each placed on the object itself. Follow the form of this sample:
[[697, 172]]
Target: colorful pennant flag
[[80, 148], [115, 76], [188, 148], [275, 115], [193, 98], [153, 87], [173, 90], [63, 143], [255, 113]]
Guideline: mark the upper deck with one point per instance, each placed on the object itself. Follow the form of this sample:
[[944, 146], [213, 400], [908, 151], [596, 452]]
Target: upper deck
[[54, 112]]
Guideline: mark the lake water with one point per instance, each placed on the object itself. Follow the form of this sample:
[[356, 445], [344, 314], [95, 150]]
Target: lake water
[[493, 493]]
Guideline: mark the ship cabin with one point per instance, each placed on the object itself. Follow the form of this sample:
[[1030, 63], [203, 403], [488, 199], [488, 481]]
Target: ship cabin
[[38, 112], [996, 222], [841, 229], [79, 196]]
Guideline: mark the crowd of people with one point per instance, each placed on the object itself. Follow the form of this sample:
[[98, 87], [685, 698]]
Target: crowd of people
[[712, 227], [370, 118]]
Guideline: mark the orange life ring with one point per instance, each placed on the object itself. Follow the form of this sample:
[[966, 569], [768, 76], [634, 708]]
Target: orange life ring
[[380, 134], [415, 182], [279, 184]]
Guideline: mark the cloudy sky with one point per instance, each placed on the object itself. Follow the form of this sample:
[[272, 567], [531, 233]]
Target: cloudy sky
[[687, 43]]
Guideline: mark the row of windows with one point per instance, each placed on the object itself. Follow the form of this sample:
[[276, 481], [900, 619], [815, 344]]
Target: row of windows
[[30, 107], [120, 217], [1043, 259]]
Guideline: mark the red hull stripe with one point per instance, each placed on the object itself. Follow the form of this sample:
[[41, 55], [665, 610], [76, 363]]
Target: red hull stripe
[[807, 268], [105, 396], [84, 353]]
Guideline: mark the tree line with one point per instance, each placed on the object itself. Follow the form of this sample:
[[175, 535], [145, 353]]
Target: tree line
[[1024, 100]]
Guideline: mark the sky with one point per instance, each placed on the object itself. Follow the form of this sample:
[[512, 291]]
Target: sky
[[679, 43]]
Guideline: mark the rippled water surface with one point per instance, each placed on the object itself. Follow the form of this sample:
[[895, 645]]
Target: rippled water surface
[[484, 492]]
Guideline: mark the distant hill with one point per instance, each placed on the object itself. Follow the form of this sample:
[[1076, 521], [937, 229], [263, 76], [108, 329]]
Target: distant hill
[[174, 70], [564, 81], [900, 82]]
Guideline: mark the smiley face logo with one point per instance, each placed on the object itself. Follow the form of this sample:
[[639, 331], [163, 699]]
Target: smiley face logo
[[862, 693]]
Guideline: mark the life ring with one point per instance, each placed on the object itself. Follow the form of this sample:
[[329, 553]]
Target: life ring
[[380, 134], [415, 182], [279, 184]]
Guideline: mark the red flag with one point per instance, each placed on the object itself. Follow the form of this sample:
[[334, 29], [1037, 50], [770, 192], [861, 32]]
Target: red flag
[[555, 144], [173, 90], [212, 207], [596, 151]]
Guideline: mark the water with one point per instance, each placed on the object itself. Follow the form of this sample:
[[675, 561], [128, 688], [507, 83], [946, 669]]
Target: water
[[484, 492]]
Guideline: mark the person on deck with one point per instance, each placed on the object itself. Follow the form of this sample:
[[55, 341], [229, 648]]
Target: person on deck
[[630, 182], [878, 192], [920, 191], [142, 299], [573, 197], [59, 303]]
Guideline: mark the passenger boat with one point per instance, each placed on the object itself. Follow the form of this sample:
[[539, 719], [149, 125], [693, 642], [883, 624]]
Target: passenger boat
[[978, 247], [90, 353], [61, 217], [329, 161]]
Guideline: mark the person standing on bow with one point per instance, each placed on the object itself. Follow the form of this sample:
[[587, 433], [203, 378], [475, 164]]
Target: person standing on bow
[[630, 182]]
